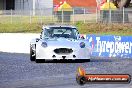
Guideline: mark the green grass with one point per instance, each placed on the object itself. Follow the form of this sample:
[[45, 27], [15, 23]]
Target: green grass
[[105, 29], [20, 28], [26, 19], [87, 28]]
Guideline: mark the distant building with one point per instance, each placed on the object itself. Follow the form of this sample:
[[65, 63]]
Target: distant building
[[38, 7], [25, 4]]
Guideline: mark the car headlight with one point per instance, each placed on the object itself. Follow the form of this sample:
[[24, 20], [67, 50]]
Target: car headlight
[[82, 45], [44, 44]]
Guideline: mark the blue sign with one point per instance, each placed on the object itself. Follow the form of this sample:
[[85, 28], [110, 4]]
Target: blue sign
[[111, 46]]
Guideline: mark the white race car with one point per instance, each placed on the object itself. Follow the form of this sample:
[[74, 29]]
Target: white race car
[[59, 42]]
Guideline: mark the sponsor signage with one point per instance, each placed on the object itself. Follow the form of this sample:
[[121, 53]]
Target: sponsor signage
[[82, 78], [111, 46]]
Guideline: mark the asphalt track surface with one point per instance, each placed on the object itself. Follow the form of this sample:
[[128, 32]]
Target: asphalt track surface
[[17, 71]]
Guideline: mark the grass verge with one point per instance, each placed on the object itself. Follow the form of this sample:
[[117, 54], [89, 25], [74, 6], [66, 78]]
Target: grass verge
[[87, 28]]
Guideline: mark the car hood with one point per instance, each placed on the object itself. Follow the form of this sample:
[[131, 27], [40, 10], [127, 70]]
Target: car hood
[[63, 42]]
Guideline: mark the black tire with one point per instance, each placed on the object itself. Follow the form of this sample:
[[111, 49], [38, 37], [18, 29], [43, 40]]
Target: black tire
[[32, 58], [55, 60], [40, 60], [37, 61]]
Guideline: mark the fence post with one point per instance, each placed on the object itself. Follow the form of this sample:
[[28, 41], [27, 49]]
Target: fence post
[[109, 15], [96, 15], [62, 18], [33, 1], [30, 16], [41, 17], [123, 15], [11, 16], [84, 15], [73, 16], [21, 16], [53, 15]]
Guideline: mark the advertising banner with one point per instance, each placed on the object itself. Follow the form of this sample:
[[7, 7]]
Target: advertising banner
[[110, 45]]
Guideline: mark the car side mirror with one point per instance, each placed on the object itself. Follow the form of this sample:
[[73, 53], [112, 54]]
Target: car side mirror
[[81, 37]]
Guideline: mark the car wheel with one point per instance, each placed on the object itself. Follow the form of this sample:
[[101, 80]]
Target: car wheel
[[37, 61], [32, 58], [88, 60]]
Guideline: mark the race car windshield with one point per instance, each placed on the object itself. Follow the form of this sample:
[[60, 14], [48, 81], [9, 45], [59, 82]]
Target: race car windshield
[[57, 32]]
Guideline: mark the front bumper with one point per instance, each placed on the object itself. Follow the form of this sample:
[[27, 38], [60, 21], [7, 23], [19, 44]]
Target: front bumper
[[48, 53]]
